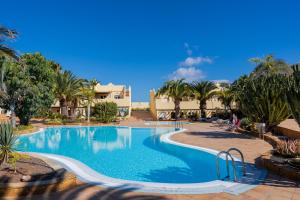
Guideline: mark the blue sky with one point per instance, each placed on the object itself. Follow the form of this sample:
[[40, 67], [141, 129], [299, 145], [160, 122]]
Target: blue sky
[[144, 43]]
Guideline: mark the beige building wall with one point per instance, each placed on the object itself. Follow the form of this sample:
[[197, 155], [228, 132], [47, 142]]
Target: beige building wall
[[162, 108], [107, 93], [118, 94]]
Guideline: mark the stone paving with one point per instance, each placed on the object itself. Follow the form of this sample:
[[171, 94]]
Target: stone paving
[[204, 135]]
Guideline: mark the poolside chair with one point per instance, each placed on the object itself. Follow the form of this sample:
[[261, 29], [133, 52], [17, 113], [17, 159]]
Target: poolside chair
[[232, 126]]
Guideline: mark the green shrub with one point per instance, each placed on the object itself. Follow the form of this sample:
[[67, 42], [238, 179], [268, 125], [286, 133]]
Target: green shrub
[[54, 121], [54, 115], [23, 127], [93, 118], [193, 116], [246, 124], [221, 114], [13, 159], [105, 112]]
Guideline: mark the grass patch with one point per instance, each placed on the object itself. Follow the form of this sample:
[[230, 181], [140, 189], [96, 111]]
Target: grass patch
[[23, 127]]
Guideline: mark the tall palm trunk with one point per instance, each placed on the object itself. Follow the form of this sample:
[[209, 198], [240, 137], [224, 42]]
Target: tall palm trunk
[[13, 116], [63, 107], [74, 104], [72, 111], [177, 109], [202, 108], [88, 112]]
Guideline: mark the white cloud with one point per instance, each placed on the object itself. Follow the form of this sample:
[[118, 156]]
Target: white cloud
[[194, 61], [188, 73], [188, 49], [221, 81]]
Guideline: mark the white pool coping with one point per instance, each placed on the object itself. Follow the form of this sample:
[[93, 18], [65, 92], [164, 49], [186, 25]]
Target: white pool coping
[[88, 175]]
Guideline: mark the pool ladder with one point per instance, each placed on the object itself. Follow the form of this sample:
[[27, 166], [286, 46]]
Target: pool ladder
[[228, 155], [178, 125]]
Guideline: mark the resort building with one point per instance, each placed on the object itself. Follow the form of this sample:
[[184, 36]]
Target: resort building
[[115, 93], [162, 107], [119, 94]]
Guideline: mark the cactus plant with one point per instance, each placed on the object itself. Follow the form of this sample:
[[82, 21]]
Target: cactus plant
[[293, 93], [262, 99], [7, 141]]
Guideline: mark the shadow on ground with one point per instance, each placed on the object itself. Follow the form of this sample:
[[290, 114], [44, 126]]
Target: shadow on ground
[[221, 135], [89, 192]]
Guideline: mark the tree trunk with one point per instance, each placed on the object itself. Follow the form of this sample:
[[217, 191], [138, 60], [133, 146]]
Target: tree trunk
[[202, 109], [177, 109], [13, 116], [73, 109], [63, 107], [24, 120], [88, 112]]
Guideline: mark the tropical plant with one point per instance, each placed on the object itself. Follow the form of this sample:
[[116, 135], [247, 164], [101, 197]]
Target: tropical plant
[[203, 91], [225, 85], [176, 90], [67, 91], [226, 97], [269, 65], [288, 148], [262, 100], [88, 94], [246, 124], [29, 87], [7, 142], [293, 93], [14, 157], [5, 34], [105, 111]]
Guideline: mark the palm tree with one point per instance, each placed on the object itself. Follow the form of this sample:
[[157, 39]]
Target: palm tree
[[67, 91], [5, 34], [270, 65], [203, 91], [177, 90], [93, 83], [226, 97], [88, 94]]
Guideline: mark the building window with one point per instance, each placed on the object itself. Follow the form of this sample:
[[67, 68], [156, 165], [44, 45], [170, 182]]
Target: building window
[[117, 97], [100, 96]]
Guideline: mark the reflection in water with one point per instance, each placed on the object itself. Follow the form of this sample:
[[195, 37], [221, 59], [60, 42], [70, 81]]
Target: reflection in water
[[87, 137], [111, 140], [54, 140]]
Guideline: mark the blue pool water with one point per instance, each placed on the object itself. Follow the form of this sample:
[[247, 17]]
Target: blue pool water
[[126, 153]]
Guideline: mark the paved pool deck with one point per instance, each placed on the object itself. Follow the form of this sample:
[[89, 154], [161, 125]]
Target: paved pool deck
[[204, 135]]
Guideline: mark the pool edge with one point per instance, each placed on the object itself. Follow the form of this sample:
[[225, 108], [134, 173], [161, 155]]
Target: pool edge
[[90, 176]]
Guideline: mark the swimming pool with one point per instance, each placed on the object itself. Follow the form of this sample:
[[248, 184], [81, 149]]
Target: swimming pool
[[115, 154]]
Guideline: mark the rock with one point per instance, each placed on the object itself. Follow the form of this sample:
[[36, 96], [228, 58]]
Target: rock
[[278, 159], [26, 178]]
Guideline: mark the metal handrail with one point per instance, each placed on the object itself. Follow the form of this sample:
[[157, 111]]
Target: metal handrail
[[242, 157], [178, 125], [227, 165]]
